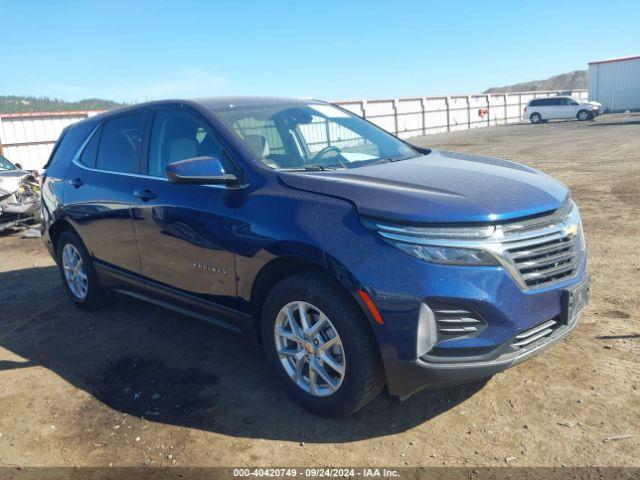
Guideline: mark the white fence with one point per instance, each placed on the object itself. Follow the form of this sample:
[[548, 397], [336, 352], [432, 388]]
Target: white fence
[[28, 138], [412, 117]]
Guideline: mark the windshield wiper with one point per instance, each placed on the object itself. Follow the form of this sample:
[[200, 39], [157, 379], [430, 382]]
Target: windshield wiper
[[309, 168], [392, 159]]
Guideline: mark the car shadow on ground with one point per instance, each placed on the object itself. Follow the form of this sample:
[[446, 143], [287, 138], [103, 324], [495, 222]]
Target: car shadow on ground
[[615, 124], [151, 363]]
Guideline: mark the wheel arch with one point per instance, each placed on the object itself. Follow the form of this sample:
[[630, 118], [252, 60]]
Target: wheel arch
[[584, 110], [282, 267], [56, 229]]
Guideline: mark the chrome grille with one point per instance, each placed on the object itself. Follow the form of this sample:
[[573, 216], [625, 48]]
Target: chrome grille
[[545, 262], [544, 250]]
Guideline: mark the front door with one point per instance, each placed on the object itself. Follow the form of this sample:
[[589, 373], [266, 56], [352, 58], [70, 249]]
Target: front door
[[571, 109], [184, 232]]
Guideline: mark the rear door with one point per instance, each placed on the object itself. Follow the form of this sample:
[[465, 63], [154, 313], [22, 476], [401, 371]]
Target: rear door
[[99, 188], [541, 106], [185, 233]]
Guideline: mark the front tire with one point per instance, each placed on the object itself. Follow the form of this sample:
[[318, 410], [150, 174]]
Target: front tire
[[319, 342], [535, 118], [584, 115], [78, 274]]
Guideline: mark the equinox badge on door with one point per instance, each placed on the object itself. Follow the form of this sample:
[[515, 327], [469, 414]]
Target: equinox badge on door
[[210, 268]]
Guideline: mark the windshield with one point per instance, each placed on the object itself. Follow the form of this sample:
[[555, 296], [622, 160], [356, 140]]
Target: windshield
[[6, 164], [315, 136]]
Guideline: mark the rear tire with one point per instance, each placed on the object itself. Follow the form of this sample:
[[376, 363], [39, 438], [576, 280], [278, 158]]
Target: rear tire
[[357, 355], [535, 118], [78, 274]]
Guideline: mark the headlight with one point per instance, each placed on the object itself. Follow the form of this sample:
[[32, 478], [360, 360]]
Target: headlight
[[433, 244], [447, 255]]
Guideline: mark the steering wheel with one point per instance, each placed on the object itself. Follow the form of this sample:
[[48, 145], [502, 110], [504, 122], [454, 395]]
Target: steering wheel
[[325, 150]]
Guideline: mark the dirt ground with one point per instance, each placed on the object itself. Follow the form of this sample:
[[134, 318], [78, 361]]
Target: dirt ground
[[137, 385]]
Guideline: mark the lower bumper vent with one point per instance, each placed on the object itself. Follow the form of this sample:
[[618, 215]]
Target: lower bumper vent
[[455, 322], [534, 334]]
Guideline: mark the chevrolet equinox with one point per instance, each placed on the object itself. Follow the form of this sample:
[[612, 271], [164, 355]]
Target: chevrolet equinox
[[356, 259]]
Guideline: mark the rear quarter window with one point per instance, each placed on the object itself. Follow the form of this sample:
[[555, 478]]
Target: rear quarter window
[[89, 155], [70, 140]]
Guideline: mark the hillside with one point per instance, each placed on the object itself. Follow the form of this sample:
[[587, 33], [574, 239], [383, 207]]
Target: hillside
[[20, 104], [565, 81]]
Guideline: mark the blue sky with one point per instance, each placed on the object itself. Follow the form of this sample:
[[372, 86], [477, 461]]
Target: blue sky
[[133, 51]]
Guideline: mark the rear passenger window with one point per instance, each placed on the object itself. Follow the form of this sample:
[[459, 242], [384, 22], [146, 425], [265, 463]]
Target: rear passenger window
[[120, 143], [89, 155], [535, 103]]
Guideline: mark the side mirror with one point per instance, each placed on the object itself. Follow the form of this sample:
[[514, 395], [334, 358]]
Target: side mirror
[[199, 171], [18, 166]]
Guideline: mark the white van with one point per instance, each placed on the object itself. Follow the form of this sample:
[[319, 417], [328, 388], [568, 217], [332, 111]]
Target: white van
[[560, 107]]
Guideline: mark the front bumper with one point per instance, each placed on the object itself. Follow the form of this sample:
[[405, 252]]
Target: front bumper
[[17, 213], [405, 378], [488, 293]]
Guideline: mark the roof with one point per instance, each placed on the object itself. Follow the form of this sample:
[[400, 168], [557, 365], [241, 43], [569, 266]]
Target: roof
[[213, 102], [206, 102], [613, 60]]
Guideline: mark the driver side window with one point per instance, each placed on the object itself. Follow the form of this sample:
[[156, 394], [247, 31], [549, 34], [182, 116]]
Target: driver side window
[[178, 135]]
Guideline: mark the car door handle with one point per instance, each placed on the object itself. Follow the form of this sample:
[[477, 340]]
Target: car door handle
[[76, 182], [145, 195]]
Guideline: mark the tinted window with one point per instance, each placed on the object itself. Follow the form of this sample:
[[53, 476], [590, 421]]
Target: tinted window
[[70, 141], [556, 101], [543, 102], [177, 135], [120, 143], [90, 153]]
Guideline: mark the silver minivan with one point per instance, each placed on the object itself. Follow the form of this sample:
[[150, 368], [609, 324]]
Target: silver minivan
[[560, 107]]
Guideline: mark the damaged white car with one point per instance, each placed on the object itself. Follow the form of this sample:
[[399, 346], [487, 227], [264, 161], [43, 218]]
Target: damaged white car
[[19, 196]]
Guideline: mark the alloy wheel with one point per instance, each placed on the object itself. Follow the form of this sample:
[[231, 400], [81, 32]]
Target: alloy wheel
[[310, 349], [74, 271]]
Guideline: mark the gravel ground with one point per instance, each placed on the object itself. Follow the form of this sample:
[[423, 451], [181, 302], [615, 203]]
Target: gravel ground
[[138, 385]]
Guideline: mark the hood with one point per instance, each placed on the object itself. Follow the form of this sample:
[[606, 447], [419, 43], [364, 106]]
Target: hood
[[441, 187], [10, 181]]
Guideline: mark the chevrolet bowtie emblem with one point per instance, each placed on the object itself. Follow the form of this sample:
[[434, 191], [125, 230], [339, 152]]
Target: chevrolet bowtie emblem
[[571, 230]]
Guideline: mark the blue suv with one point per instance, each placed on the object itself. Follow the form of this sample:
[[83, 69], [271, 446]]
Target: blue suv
[[355, 259]]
